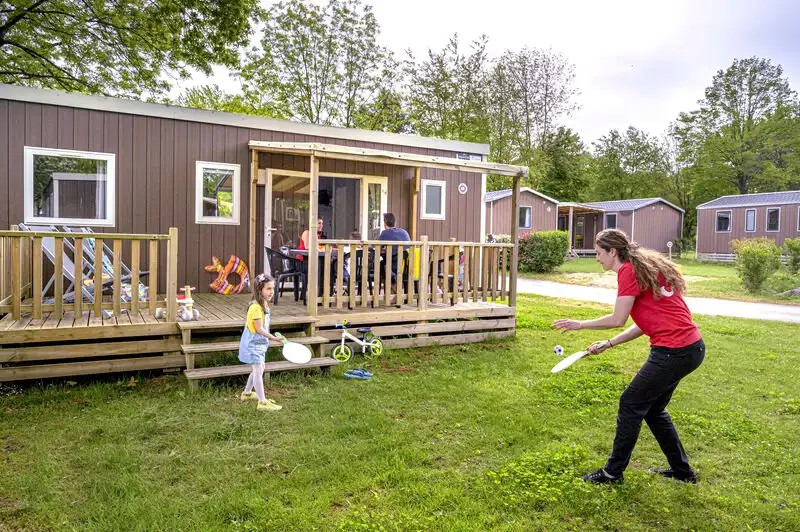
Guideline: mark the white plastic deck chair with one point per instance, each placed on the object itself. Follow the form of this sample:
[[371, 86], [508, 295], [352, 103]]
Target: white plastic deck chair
[[67, 270], [108, 254]]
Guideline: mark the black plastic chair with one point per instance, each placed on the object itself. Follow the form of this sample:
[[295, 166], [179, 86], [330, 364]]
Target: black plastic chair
[[284, 267], [358, 254]]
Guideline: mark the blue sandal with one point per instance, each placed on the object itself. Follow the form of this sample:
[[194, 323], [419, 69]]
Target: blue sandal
[[362, 371], [354, 374]]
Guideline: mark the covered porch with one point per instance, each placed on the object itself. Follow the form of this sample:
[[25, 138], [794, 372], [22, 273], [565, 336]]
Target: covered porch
[[421, 271], [582, 223]]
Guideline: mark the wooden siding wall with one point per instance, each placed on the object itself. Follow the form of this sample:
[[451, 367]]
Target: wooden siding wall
[[709, 241], [624, 221], [656, 225], [499, 212], [156, 177]]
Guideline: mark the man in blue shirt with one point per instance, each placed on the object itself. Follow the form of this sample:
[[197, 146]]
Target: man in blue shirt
[[392, 233]]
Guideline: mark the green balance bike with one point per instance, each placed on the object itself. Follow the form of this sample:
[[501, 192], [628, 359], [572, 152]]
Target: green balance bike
[[371, 345]]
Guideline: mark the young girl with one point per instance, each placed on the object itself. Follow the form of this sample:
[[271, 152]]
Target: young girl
[[255, 340]]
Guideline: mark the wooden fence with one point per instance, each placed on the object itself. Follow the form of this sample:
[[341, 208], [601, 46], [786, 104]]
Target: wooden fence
[[27, 257], [420, 273]]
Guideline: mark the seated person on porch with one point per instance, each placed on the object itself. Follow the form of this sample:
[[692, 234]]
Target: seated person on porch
[[304, 238], [391, 233]]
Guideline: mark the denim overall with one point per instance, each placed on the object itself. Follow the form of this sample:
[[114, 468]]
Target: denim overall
[[253, 346]]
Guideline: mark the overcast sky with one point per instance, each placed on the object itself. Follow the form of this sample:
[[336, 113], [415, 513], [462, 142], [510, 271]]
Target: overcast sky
[[637, 63]]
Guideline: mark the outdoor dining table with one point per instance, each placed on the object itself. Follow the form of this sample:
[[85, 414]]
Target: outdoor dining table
[[320, 257]]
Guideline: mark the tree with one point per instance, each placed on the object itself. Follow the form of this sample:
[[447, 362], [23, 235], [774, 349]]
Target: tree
[[567, 161], [213, 98], [627, 166], [385, 113], [544, 92], [729, 134], [504, 125], [447, 92], [119, 47], [320, 63]]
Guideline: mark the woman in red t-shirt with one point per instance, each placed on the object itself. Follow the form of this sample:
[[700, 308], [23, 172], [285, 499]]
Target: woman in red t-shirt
[[650, 290]]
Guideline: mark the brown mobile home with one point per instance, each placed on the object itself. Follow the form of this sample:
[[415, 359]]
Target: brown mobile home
[[652, 222], [774, 215], [166, 188], [163, 166], [537, 212]]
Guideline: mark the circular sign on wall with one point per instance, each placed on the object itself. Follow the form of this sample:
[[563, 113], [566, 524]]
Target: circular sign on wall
[[669, 244], [462, 188]]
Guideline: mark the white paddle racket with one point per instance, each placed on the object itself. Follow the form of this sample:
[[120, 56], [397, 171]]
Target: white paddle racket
[[567, 362], [294, 352]]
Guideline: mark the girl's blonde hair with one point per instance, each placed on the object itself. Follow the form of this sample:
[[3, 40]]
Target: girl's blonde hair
[[258, 285], [647, 264]]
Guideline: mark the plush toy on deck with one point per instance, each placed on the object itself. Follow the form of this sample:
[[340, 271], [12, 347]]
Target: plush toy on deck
[[186, 310], [236, 266]]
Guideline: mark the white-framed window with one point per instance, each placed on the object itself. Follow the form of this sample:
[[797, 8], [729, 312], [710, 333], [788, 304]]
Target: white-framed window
[[774, 220], [750, 220], [610, 221], [798, 219], [723, 222], [433, 199], [217, 193], [69, 187], [525, 218]]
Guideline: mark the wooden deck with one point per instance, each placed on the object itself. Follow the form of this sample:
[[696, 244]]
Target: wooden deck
[[55, 347]]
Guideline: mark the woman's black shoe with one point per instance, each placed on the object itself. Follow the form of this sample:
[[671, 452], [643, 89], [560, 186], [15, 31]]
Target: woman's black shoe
[[669, 473]]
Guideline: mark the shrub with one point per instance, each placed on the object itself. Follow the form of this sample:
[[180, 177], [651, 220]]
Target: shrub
[[543, 251], [791, 246], [756, 260]]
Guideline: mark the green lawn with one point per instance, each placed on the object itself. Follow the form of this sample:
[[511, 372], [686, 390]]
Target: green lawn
[[704, 279], [454, 438]]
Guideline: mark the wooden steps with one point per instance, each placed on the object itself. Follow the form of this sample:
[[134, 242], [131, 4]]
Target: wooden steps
[[194, 375], [46, 371]]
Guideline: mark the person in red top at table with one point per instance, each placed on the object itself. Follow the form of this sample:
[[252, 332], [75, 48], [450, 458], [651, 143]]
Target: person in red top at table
[[650, 291]]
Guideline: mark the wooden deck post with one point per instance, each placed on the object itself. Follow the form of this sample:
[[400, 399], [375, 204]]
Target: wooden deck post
[[253, 207], [97, 287], [570, 229], [512, 292], [313, 254], [78, 274], [172, 275], [414, 203], [424, 261], [37, 277], [117, 276], [16, 277]]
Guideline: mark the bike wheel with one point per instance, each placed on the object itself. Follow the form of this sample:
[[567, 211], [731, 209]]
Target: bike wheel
[[375, 348], [342, 353]]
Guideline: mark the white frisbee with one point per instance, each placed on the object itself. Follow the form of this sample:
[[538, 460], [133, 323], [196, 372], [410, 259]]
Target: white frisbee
[[570, 360], [296, 353]]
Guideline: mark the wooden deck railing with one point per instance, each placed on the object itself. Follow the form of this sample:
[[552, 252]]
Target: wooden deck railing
[[25, 262], [420, 273]]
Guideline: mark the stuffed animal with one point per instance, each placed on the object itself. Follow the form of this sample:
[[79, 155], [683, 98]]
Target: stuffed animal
[[236, 266]]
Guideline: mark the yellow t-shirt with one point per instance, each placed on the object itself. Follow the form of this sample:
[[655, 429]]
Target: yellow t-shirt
[[255, 312]]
